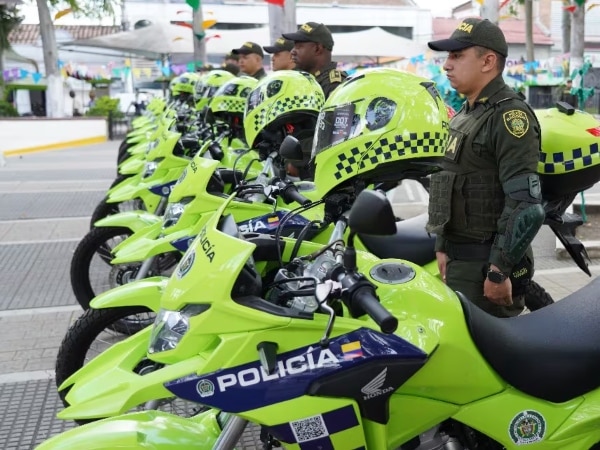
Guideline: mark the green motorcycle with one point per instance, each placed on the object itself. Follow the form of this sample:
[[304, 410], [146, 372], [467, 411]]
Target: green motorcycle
[[152, 289], [370, 353], [91, 272]]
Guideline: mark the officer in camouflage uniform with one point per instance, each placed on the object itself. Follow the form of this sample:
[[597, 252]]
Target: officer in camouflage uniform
[[485, 205], [313, 44]]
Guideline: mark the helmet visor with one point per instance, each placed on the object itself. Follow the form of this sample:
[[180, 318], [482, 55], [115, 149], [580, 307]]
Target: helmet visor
[[230, 89], [334, 126], [209, 91]]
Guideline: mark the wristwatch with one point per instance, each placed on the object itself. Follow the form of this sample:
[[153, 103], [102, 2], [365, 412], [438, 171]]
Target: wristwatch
[[496, 277]]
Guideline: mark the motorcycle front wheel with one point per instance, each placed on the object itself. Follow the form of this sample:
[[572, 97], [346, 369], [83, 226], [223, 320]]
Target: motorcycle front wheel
[[93, 273], [123, 153], [91, 269], [105, 209]]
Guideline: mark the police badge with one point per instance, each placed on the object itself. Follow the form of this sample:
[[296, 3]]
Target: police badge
[[516, 122]]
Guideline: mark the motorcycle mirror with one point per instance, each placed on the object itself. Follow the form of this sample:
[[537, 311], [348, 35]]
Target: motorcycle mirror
[[291, 149], [372, 213]]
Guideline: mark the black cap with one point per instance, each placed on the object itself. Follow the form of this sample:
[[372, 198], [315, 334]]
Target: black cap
[[248, 48], [312, 32], [471, 32], [233, 56], [280, 45]]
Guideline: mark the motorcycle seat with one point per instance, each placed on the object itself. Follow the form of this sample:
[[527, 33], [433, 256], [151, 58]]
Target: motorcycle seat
[[552, 353], [411, 242]]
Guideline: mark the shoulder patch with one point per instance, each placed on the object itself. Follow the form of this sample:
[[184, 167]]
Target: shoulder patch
[[335, 76], [516, 122]]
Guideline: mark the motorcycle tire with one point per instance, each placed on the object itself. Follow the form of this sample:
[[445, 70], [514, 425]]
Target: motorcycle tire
[[123, 153], [537, 297], [104, 209], [93, 329], [98, 241]]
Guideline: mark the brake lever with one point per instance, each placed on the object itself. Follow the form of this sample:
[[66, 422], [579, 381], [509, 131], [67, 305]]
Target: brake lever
[[322, 293], [329, 310]]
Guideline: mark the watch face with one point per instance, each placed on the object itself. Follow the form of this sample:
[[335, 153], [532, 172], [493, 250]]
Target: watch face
[[496, 277]]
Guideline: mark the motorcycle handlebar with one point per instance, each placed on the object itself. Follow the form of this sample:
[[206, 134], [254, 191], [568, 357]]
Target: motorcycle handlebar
[[368, 302], [215, 151], [290, 193]]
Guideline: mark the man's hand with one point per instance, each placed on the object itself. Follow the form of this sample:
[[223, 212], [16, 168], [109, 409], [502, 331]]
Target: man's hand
[[498, 293], [442, 260]]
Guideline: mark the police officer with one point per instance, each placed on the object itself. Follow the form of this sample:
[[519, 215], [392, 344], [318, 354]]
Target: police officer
[[485, 205], [281, 58], [313, 44], [231, 63], [251, 59]]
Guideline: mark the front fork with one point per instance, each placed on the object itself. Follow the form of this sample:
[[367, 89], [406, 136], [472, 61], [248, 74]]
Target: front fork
[[147, 264], [233, 428], [145, 268]]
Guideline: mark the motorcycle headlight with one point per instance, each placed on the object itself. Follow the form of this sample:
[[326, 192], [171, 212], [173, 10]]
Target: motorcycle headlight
[[149, 168], [174, 212], [170, 326], [151, 145]]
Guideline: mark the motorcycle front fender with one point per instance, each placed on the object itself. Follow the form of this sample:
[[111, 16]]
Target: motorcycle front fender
[[126, 185], [132, 165], [145, 292], [136, 136], [142, 430], [149, 243], [149, 232], [134, 220], [109, 386], [132, 192]]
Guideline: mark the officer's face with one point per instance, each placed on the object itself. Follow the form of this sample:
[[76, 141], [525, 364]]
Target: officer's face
[[282, 61], [303, 54], [464, 70], [250, 64]]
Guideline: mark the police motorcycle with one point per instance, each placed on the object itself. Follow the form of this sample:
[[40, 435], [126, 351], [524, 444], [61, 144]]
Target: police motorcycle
[[91, 272], [410, 241], [182, 115], [156, 247], [347, 357], [181, 93], [142, 125], [200, 189], [126, 300], [178, 133], [179, 107], [144, 193]]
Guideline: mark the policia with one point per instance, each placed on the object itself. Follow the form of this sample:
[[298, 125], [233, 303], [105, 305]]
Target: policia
[[485, 204], [313, 44]]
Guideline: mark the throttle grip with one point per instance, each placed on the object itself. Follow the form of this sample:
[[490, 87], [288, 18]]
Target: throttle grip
[[364, 298]]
